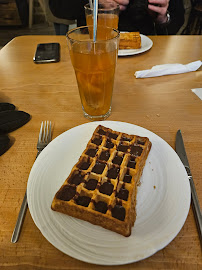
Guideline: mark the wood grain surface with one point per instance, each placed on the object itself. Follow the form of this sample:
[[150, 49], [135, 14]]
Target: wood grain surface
[[49, 92]]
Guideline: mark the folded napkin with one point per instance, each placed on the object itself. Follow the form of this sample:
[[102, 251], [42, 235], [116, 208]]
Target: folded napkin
[[168, 69], [10, 120], [4, 144], [198, 92]]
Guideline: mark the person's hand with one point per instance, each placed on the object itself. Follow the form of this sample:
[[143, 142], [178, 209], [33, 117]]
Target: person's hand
[[122, 3], [158, 9]]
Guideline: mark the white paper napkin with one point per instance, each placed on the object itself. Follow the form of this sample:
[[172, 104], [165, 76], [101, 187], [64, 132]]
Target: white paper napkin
[[168, 69], [198, 92]]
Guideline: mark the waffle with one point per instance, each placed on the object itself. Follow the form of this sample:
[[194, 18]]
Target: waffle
[[131, 40], [102, 185]]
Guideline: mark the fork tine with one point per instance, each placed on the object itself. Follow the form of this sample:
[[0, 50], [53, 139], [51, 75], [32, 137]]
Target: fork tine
[[41, 132], [44, 131], [48, 131], [49, 134]]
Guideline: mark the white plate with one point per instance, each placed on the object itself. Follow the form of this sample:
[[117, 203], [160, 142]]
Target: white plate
[[163, 200], [146, 43]]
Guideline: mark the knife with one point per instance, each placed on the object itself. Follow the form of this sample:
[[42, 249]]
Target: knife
[[180, 149]]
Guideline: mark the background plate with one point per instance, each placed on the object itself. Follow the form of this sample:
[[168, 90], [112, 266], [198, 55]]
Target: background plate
[[163, 200], [146, 42]]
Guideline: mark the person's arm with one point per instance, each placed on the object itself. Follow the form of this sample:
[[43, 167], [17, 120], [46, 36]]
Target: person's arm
[[169, 14], [158, 10], [67, 9], [176, 9]]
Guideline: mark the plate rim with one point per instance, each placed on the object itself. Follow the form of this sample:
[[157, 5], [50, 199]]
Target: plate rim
[[89, 261]]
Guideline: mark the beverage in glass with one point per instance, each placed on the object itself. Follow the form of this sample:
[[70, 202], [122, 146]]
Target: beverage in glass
[[94, 64], [108, 15]]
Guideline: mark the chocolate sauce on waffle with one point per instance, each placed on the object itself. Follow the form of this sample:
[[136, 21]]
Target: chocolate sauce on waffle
[[117, 160], [101, 207], [122, 147], [97, 140], [91, 152], [113, 172], [91, 184], [118, 212], [123, 138], [106, 188], [66, 193], [98, 168], [140, 142], [136, 150], [127, 177], [104, 155], [76, 179], [112, 135], [83, 200], [109, 144], [101, 132], [131, 163], [84, 165], [123, 193]]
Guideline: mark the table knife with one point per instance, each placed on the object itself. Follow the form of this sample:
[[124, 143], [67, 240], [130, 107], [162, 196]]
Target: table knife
[[180, 149]]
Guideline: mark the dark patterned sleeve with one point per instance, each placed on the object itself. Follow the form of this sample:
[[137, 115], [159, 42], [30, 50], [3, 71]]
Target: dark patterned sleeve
[[176, 10], [67, 9]]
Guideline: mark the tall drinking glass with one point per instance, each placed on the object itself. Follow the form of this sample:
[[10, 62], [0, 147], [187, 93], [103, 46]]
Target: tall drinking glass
[[108, 15], [94, 65]]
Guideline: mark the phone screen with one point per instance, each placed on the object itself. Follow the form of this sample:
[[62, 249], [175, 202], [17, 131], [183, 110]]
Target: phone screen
[[47, 53]]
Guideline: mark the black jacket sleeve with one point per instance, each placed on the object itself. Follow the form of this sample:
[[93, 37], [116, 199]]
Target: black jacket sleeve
[[137, 18], [176, 9], [67, 9]]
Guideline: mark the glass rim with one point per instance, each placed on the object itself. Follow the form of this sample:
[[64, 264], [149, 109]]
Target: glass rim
[[97, 41], [116, 6]]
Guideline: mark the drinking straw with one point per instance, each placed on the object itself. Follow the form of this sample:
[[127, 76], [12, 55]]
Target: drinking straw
[[95, 11]]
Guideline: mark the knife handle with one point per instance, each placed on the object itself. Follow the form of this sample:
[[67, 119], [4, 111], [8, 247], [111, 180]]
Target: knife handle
[[19, 221], [196, 208]]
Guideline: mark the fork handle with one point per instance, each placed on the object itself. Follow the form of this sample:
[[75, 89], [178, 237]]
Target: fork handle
[[20, 219], [21, 216], [38, 154]]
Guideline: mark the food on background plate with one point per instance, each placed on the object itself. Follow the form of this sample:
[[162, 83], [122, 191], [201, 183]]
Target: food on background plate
[[130, 40], [102, 185]]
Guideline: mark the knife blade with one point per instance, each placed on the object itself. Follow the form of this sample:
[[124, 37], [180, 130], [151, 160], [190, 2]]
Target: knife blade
[[180, 149]]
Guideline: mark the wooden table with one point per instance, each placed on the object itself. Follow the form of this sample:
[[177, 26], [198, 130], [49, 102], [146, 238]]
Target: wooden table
[[49, 92]]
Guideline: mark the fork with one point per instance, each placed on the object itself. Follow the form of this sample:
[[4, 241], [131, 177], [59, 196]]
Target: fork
[[43, 141]]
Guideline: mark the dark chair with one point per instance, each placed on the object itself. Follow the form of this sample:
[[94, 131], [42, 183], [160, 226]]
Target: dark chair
[[187, 12], [194, 26], [52, 19]]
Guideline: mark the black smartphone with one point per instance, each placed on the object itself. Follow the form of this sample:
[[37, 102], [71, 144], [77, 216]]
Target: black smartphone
[[47, 53]]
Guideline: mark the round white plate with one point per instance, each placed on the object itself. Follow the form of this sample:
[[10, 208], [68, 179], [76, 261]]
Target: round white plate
[[163, 200], [146, 43]]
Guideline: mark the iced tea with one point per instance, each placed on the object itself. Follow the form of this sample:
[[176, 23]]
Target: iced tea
[[94, 64], [109, 20], [108, 15]]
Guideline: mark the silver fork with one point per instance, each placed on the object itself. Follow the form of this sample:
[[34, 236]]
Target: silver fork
[[43, 141]]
